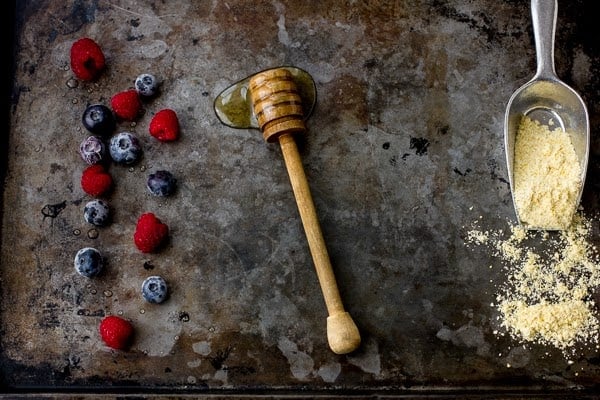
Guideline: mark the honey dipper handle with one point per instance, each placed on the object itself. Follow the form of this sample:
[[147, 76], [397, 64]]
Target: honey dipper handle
[[342, 333], [278, 109]]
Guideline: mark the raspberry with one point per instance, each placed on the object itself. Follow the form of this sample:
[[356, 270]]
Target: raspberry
[[150, 233], [126, 104], [96, 181], [87, 59], [164, 126], [116, 332]]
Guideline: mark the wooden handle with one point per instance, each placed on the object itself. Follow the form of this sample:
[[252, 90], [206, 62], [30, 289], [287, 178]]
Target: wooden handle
[[342, 333], [278, 108]]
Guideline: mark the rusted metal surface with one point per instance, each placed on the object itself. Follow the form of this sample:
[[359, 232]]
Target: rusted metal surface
[[403, 151]]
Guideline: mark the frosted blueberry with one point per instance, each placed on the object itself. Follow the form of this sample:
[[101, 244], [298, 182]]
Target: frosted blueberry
[[125, 148], [146, 85], [161, 183], [92, 150], [154, 289], [88, 262], [96, 212]]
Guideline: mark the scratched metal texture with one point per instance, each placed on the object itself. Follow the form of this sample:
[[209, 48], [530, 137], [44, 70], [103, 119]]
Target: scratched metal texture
[[403, 152]]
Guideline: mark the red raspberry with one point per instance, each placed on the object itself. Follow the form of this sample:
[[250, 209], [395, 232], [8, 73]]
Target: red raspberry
[[165, 125], [116, 332], [126, 104], [87, 59], [96, 181], [150, 233]]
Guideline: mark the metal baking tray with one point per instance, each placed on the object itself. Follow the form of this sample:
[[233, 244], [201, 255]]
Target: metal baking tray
[[403, 153]]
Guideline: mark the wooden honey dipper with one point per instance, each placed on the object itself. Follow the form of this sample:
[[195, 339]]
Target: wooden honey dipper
[[278, 109]]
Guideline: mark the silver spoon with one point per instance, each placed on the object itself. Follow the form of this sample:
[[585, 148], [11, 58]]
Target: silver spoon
[[545, 98]]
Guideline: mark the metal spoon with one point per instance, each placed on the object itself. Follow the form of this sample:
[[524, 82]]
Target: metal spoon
[[545, 98]]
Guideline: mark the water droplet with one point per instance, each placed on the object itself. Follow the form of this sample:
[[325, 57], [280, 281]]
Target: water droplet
[[76, 232], [91, 90], [38, 149], [72, 83], [133, 124], [131, 169], [120, 312], [108, 293], [93, 233], [75, 101], [89, 286], [93, 291], [176, 337], [142, 311], [143, 168], [65, 67]]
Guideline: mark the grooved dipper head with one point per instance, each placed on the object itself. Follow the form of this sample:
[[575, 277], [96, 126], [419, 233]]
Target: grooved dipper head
[[276, 103]]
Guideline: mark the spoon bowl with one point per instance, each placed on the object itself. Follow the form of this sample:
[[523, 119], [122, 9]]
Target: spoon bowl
[[547, 100]]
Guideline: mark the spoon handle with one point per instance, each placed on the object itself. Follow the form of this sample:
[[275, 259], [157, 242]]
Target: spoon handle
[[543, 13]]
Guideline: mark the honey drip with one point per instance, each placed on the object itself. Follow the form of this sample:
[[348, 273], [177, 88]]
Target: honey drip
[[233, 105]]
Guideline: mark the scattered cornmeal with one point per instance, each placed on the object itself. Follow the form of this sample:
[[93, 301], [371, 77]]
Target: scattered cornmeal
[[547, 297], [547, 176]]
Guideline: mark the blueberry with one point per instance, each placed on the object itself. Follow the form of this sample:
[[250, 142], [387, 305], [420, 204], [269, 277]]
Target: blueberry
[[92, 150], [96, 212], [88, 262], [99, 119], [125, 148], [161, 183], [154, 289], [146, 85]]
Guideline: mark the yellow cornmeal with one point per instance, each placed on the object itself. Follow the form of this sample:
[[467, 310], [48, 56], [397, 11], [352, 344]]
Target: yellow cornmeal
[[550, 279], [562, 324], [547, 176]]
